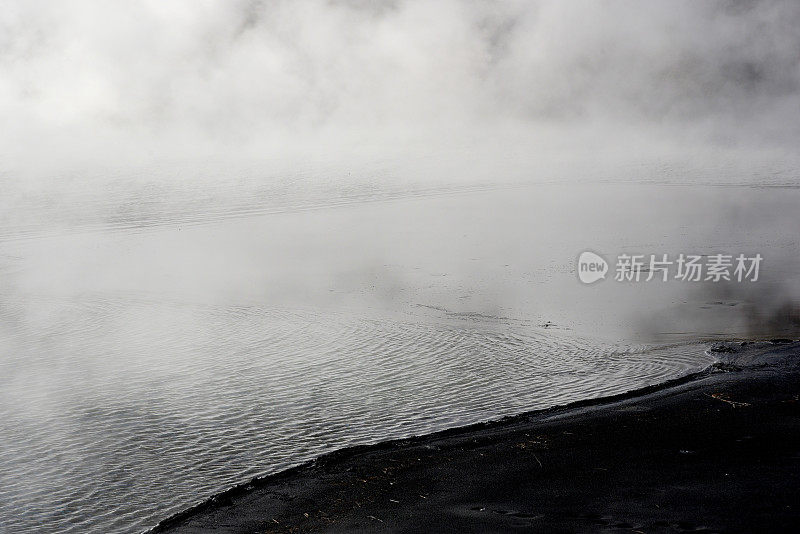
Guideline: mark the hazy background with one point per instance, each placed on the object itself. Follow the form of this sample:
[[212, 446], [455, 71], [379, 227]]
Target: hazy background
[[192, 93], [149, 113]]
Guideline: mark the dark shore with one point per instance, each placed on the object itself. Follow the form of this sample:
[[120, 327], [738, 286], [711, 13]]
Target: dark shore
[[718, 451]]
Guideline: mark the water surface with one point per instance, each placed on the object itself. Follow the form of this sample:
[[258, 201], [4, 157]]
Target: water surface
[[146, 367]]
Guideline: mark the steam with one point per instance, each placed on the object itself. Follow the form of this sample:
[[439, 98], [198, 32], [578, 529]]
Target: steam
[[172, 80], [149, 112]]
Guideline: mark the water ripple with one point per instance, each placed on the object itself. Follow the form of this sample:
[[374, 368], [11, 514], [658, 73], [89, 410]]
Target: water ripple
[[111, 419]]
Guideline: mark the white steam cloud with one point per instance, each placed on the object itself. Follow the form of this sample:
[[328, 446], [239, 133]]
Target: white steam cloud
[[239, 72], [129, 92]]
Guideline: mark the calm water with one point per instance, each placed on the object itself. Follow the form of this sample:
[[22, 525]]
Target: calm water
[[147, 366]]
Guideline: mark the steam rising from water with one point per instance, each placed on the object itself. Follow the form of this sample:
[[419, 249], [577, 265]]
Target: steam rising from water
[[345, 200], [348, 80], [132, 112]]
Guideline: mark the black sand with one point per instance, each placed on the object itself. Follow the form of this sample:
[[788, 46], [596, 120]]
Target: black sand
[[716, 452]]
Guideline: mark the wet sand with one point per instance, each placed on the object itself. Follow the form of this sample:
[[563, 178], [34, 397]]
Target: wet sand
[[718, 451]]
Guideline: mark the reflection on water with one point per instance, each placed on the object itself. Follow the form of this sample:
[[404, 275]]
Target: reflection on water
[[143, 370]]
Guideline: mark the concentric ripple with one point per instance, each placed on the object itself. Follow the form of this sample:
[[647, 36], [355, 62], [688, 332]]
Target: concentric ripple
[[117, 412]]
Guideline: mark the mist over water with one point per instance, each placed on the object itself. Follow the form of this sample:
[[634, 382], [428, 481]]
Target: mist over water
[[99, 91], [187, 110], [236, 235]]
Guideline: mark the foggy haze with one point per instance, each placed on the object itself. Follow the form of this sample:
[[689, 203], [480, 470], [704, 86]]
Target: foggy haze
[[178, 113], [88, 83], [237, 234]]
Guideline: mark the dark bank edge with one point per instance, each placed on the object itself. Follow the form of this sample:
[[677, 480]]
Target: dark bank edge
[[349, 452]]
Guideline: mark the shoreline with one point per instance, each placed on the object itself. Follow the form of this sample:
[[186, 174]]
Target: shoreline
[[500, 476]]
